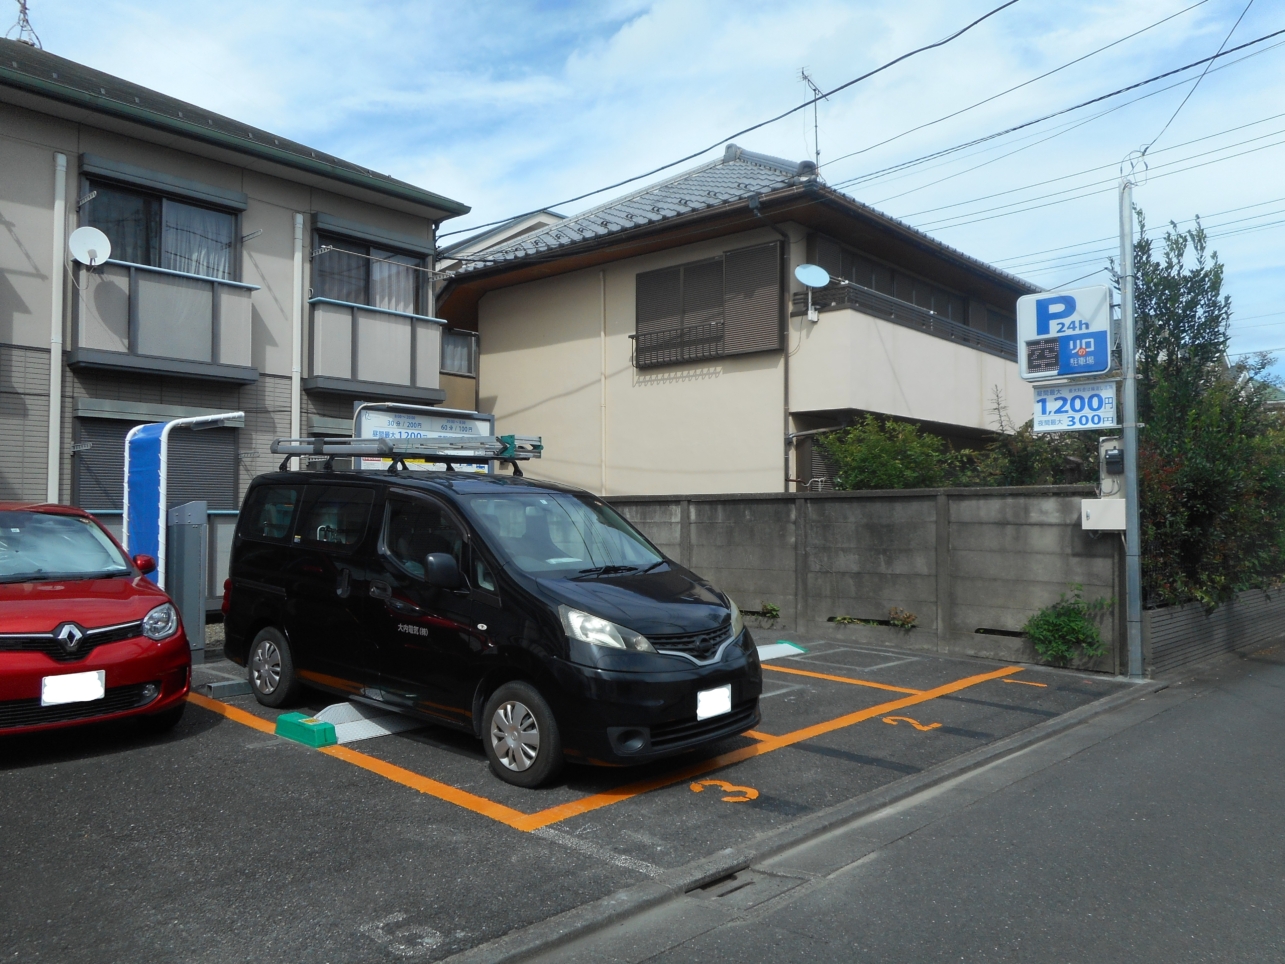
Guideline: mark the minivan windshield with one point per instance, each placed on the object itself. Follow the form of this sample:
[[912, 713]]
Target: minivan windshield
[[561, 535], [40, 546]]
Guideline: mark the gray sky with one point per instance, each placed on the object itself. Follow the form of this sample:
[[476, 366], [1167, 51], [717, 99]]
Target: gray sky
[[509, 106]]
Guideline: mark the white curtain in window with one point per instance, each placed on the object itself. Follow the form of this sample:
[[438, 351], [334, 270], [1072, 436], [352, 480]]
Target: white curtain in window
[[197, 240], [393, 280], [457, 353]]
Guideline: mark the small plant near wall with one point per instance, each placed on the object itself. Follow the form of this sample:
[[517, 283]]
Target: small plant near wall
[[769, 611], [903, 619], [1068, 629]]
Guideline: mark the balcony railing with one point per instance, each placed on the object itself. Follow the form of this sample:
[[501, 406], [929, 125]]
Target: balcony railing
[[673, 345], [880, 305], [354, 348], [134, 316]]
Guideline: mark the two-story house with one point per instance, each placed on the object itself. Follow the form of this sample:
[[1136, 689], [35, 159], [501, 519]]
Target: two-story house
[[660, 343], [247, 273]]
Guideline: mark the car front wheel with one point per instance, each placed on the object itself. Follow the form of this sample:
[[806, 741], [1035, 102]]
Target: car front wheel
[[521, 737]]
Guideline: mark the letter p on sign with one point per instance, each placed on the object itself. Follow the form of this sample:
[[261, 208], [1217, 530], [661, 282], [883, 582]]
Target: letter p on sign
[[1051, 309]]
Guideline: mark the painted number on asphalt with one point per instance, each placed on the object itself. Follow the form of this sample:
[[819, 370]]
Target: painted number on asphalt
[[894, 720], [734, 793]]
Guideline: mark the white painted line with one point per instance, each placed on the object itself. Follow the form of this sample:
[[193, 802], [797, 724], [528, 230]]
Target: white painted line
[[593, 850], [779, 650], [354, 722]]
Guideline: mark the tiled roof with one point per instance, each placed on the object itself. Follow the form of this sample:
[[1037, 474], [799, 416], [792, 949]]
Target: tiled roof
[[30, 69], [733, 177]]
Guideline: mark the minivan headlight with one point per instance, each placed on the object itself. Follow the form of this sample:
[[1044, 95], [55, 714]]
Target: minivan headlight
[[738, 623], [601, 632], [161, 622]]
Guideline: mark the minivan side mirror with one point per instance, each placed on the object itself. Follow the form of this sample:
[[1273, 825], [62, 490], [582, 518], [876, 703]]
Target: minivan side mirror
[[145, 564], [440, 570]]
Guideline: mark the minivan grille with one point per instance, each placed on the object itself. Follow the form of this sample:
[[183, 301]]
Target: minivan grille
[[30, 713], [47, 644], [667, 736], [701, 645]]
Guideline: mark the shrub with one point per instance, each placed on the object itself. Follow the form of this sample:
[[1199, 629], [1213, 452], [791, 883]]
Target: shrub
[[880, 453], [1069, 628]]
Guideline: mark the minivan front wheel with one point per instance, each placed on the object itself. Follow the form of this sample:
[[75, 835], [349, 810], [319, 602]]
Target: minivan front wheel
[[521, 737], [271, 669]]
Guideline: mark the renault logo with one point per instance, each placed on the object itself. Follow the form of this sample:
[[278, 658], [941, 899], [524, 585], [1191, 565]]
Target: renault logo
[[70, 635]]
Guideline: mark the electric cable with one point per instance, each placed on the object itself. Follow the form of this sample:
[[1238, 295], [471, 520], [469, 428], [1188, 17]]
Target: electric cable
[[747, 130], [1025, 83], [1198, 79], [1058, 113]]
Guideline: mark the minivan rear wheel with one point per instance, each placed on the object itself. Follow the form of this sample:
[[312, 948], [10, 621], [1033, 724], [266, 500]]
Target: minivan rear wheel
[[521, 736], [271, 669]]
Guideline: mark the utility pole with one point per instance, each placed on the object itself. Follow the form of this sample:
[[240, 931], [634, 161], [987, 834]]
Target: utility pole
[[1129, 360]]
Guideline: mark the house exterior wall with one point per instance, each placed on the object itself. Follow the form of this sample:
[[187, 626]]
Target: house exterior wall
[[30, 269], [713, 426], [849, 360]]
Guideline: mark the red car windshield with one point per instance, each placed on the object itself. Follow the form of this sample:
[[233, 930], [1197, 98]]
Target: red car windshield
[[41, 546]]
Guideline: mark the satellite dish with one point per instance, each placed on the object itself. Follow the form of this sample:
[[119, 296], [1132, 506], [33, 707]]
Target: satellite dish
[[89, 246], [812, 275]]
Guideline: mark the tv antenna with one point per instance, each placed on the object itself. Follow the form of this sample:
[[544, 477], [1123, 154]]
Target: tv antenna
[[816, 96], [26, 34]]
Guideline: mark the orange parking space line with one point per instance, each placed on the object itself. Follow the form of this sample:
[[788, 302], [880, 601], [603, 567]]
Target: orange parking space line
[[841, 679], [232, 713], [756, 735], [598, 800], [1026, 682], [443, 791]]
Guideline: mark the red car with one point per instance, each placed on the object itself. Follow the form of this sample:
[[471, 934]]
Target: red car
[[84, 637]]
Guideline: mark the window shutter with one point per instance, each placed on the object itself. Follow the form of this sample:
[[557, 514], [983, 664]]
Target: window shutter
[[830, 256], [203, 466], [752, 299], [659, 300], [100, 463], [702, 293]]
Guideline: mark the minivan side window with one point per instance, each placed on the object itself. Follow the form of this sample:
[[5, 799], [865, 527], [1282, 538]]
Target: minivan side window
[[415, 527], [334, 516], [268, 512]]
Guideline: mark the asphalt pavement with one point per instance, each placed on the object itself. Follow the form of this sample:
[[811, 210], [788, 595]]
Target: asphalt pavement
[[1153, 833]]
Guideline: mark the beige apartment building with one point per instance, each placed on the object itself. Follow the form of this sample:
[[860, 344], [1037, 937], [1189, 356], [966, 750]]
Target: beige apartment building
[[247, 273], [661, 344]]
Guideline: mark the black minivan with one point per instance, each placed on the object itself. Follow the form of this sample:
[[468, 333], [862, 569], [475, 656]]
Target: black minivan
[[529, 614]]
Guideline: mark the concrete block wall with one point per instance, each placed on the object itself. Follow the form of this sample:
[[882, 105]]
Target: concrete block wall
[[962, 560]]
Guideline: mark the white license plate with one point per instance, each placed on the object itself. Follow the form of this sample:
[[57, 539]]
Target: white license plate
[[73, 688], [714, 702]]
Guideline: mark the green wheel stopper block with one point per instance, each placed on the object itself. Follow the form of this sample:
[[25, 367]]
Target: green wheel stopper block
[[304, 729]]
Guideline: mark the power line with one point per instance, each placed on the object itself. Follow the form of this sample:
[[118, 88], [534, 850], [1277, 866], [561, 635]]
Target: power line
[[1066, 128], [740, 133], [1025, 83], [1057, 113], [1199, 79]]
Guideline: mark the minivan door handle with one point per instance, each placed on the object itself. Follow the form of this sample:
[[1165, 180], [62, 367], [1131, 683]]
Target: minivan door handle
[[380, 589], [343, 588]]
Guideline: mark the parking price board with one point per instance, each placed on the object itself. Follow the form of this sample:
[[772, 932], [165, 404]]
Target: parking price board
[[1064, 334], [1075, 407]]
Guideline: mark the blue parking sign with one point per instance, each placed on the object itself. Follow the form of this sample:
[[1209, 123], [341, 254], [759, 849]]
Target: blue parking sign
[[1064, 334]]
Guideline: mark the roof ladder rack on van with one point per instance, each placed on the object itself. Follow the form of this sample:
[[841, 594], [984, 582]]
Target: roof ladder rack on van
[[453, 451]]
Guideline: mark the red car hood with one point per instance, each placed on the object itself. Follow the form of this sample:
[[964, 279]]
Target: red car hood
[[37, 607]]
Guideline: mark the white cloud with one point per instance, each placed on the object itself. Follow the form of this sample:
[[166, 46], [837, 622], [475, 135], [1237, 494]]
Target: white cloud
[[514, 105]]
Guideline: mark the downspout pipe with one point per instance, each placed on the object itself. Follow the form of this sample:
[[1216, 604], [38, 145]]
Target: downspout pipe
[[55, 328], [296, 337], [755, 206]]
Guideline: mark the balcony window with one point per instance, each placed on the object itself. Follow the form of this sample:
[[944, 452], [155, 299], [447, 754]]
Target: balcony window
[[161, 232], [360, 274]]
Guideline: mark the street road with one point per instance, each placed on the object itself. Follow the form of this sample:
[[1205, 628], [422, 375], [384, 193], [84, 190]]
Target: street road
[[1152, 833]]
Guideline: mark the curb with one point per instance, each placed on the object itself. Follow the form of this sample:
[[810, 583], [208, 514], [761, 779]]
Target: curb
[[549, 934]]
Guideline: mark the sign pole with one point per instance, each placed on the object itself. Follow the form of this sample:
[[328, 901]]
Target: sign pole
[[1133, 531]]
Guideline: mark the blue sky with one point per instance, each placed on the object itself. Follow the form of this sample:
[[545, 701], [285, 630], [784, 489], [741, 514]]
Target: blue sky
[[509, 106]]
